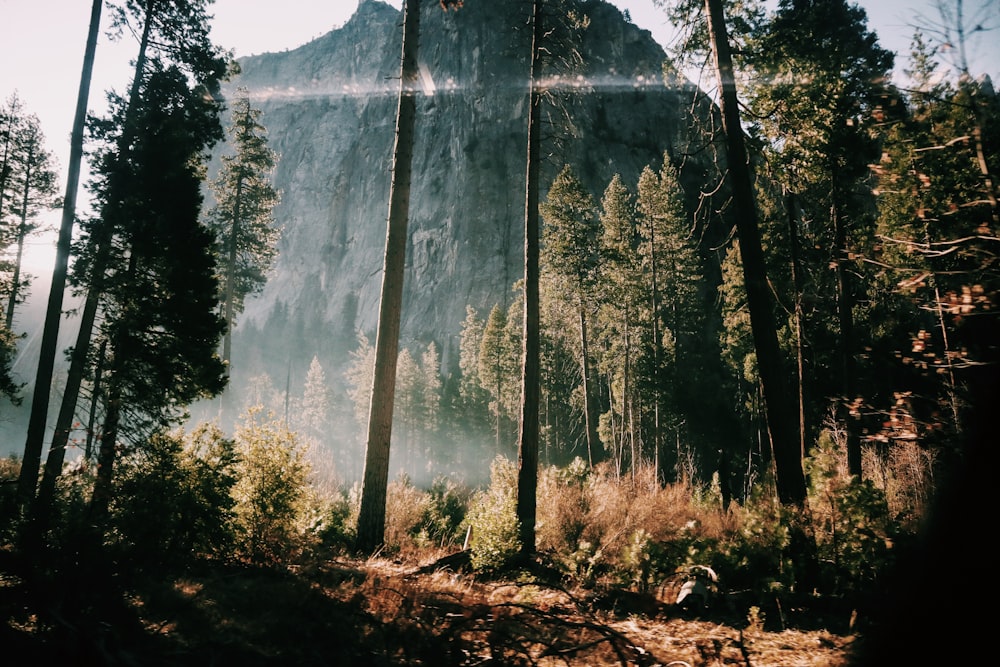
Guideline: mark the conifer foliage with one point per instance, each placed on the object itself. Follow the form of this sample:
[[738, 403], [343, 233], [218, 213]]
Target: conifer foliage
[[159, 295], [28, 188], [242, 217], [145, 261]]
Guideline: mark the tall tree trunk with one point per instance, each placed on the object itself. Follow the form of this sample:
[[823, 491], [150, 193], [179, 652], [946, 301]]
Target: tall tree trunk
[[31, 461], [108, 452], [845, 305], [95, 399], [7, 140], [102, 241], [371, 520], [527, 460], [790, 480], [594, 452], [100, 498], [21, 233], [654, 306], [230, 314], [626, 406], [793, 246]]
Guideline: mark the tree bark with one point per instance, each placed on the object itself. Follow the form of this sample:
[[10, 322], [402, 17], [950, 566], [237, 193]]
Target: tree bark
[[527, 464], [102, 241], [53, 312], [793, 246], [594, 450], [845, 316], [371, 519], [790, 480]]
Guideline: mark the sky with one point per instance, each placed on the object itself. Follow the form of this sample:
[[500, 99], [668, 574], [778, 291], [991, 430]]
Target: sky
[[42, 44]]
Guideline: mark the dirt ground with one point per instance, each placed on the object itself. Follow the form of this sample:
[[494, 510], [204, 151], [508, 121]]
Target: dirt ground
[[378, 612]]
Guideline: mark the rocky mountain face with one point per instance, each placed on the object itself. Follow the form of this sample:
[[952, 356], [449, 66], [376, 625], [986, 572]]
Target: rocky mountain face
[[329, 107]]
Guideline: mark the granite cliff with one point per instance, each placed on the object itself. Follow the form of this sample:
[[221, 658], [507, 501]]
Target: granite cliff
[[329, 107]]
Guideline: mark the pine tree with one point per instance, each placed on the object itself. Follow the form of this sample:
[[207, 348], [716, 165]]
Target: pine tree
[[620, 296], [271, 487], [33, 187], [570, 238], [359, 379], [408, 406], [937, 231], [824, 144], [497, 367], [173, 39], [11, 120], [242, 217], [53, 311], [314, 417], [470, 389], [159, 305], [527, 441], [777, 400], [671, 267], [430, 368]]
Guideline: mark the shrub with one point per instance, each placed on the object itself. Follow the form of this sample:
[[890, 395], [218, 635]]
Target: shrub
[[334, 518], [172, 498], [442, 523], [754, 555], [563, 507], [273, 521], [405, 506], [493, 520], [10, 470], [850, 519]]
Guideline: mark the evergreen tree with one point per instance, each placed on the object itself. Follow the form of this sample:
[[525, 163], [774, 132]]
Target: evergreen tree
[[33, 188], [527, 442], [497, 368], [270, 489], [53, 310], [777, 400], [242, 217], [408, 405], [261, 393], [160, 318], [430, 395], [12, 116], [936, 228], [570, 240], [470, 389], [314, 417], [673, 275], [359, 380], [174, 43], [620, 286], [818, 122]]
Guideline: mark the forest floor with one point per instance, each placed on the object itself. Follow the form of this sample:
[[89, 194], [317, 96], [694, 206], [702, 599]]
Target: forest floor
[[382, 612]]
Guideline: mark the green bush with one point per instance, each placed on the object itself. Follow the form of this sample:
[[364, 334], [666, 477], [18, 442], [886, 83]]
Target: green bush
[[405, 506], [272, 517], [851, 522], [335, 519], [10, 470], [442, 523], [755, 556], [493, 520], [172, 499]]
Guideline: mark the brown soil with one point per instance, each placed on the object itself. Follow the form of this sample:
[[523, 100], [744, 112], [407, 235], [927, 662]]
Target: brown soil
[[379, 612]]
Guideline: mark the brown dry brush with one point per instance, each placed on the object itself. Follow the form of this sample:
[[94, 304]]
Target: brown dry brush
[[461, 630]]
